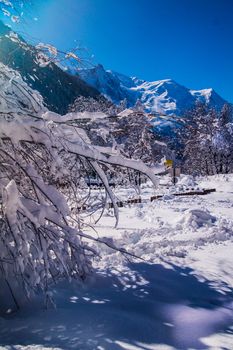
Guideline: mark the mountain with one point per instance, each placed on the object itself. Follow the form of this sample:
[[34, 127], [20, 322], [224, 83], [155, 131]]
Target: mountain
[[163, 96], [58, 88]]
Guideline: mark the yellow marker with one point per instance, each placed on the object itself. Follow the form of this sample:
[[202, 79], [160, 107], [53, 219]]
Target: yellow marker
[[168, 163]]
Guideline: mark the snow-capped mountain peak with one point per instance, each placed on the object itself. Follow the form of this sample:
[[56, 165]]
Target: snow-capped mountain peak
[[208, 96], [162, 96]]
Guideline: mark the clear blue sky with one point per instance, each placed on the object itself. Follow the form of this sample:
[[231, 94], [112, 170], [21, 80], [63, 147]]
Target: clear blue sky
[[186, 40]]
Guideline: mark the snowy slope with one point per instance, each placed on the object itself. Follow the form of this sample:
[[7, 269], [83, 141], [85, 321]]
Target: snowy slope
[[115, 86], [163, 96]]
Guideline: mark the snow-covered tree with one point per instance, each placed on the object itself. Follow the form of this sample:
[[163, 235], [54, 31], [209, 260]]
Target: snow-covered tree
[[90, 104], [208, 141], [223, 141], [44, 159], [131, 130], [135, 134]]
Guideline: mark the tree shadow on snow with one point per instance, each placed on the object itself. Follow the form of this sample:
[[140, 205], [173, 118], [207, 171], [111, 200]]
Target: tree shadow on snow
[[145, 307]]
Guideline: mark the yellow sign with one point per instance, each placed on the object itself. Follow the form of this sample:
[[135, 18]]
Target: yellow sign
[[168, 163]]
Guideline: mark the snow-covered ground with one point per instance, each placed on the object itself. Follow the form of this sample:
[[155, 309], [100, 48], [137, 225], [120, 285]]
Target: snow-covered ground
[[178, 297]]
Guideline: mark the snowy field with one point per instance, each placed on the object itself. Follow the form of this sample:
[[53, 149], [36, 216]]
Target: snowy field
[[178, 297]]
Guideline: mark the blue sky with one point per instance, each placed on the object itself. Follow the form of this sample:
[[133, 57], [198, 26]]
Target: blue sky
[[186, 40]]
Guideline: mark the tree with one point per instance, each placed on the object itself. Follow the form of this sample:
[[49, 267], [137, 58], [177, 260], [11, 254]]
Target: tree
[[207, 139], [134, 133], [44, 159], [131, 132], [134, 136], [223, 141], [90, 104]]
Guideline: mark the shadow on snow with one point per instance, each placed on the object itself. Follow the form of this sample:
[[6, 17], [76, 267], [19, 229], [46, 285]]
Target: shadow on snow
[[144, 307]]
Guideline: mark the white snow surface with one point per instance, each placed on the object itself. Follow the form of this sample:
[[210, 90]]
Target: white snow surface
[[178, 297]]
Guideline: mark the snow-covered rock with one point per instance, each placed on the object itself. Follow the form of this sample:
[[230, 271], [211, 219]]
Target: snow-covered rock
[[196, 218], [187, 181]]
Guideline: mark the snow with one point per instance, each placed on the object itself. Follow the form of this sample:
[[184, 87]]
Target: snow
[[178, 297], [208, 96]]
